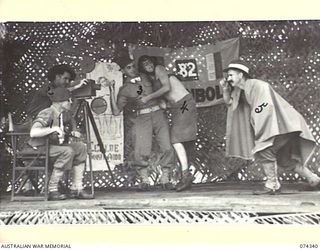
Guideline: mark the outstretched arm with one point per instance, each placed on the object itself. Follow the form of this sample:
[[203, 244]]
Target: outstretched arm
[[82, 82], [116, 110]]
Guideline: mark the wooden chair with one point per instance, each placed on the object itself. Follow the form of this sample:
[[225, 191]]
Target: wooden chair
[[28, 164], [32, 165]]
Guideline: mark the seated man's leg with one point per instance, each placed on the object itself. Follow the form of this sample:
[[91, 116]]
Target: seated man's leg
[[78, 168], [62, 157]]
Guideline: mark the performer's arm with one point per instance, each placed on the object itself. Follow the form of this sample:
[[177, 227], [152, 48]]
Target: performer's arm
[[162, 75], [115, 108]]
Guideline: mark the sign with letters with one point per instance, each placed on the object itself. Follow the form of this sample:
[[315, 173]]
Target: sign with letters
[[109, 126], [200, 68]]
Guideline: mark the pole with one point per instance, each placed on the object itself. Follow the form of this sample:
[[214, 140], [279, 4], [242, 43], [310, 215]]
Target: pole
[[97, 134], [88, 139]]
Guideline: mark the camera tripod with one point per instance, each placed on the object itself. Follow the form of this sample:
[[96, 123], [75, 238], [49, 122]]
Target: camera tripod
[[88, 116]]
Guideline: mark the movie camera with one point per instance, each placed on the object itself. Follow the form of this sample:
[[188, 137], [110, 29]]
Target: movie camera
[[86, 91]]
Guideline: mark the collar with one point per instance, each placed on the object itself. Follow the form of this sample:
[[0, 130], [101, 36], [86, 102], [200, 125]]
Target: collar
[[55, 110], [241, 84]]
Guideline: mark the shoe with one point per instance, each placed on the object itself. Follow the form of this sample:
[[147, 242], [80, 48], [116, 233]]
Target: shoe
[[185, 183], [80, 194], [56, 196], [143, 187], [267, 191], [167, 186]]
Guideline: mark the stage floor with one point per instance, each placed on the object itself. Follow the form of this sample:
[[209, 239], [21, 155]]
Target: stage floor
[[236, 197]]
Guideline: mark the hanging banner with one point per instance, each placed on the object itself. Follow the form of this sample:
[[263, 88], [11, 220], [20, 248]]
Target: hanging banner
[[110, 127], [200, 68]]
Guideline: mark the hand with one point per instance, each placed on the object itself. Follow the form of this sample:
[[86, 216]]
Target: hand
[[59, 131], [163, 104], [144, 99], [76, 134], [223, 83], [82, 82], [56, 137]]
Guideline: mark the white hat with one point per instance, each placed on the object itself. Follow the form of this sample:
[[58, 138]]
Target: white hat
[[237, 64]]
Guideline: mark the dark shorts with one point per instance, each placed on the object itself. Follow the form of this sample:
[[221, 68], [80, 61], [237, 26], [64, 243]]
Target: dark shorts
[[184, 121]]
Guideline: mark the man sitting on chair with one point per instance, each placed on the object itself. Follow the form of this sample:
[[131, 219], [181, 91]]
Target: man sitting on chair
[[64, 156]]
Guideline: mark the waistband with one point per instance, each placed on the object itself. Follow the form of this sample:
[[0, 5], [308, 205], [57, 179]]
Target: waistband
[[148, 110]]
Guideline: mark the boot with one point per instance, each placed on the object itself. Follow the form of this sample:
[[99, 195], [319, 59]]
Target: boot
[[145, 183], [185, 182], [76, 190], [267, 191], [168, 186], [165, 180], [312, 178], [54, 194], [80, 194], [272, 185], [143, 187]]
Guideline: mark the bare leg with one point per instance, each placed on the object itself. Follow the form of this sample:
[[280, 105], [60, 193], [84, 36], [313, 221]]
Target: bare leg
[[182, 155], [186, 179]]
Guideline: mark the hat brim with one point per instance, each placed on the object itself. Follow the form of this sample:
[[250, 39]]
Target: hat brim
[[227, 69], [240, 66]]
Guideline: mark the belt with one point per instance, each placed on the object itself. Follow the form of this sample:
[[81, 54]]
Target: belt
[[148, 110]]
